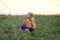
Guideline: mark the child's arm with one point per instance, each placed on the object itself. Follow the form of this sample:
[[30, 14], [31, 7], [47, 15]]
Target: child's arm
[[24, 21], [33, 23]]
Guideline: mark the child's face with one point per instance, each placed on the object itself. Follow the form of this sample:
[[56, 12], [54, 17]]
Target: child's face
[[29, 17]]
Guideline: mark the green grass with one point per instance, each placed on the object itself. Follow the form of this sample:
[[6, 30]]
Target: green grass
[[48, 28]]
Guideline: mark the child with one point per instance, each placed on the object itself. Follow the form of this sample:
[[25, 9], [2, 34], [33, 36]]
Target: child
[[29, 22]]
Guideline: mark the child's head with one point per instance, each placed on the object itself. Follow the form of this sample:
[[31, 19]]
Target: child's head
[[30, 15]]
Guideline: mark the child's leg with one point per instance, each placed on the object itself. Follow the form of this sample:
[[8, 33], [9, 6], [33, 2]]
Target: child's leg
[[24, 28], [31, 31]]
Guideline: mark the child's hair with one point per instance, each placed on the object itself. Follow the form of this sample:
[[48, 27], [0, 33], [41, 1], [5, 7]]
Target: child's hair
[[30, 14]]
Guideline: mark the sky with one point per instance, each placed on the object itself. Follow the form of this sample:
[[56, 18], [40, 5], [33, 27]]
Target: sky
[[20, 7]]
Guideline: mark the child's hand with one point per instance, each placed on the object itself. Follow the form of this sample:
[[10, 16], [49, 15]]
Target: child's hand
[[24, 22]]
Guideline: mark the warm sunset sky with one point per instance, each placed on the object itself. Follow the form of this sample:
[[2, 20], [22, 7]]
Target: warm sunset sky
[[35, 6]]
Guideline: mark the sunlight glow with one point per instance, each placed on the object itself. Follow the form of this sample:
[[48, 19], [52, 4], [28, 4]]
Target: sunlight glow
[[46, 7], [23, 6]]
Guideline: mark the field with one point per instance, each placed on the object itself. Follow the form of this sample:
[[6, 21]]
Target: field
[[48, 28]]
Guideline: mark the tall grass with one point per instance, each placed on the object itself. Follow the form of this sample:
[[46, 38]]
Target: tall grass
[[48, 28]]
